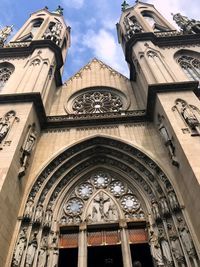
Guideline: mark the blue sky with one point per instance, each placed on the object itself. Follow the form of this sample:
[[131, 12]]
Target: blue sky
[[92, 22]]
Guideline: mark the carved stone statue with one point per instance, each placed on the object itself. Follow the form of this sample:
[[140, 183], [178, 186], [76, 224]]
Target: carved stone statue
[[155, 246], [187, 25], [43, 253], [32, 247], [27, 149], [131, 27], [190, 117], [38, 214], [19, 250], [48, 216], [4, 33], [111, 214], [29, 208], [164, 207], [167, 140], [5, 124], [155, 210], [175, 244], [54, 33], [185, 236], [165, 248], [173, 201], [101, 201]]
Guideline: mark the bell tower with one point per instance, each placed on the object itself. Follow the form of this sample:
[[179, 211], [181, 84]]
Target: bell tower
[[165, 69], [40, 47], [30, 73]]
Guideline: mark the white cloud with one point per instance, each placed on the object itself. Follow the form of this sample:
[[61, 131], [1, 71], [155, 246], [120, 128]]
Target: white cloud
[[73, 3], [105, 48]]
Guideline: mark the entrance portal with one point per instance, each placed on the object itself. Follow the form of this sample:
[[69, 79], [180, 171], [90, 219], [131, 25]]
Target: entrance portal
[[105, 256], [141, 253]]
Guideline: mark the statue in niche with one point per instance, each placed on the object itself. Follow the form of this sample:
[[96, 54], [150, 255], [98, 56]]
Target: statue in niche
[[187, 25], [5, 124], [131, 27], [20, 246], [167, 140], [173, 201], [165, 248], [156, 251], [190, 118], [4, 33], [53, 33], [48, 216], [155, 210], [29, 208], [32, 247], [185, 236], [43, 253], [27, 149], [38, 214], [175, 244], [164, 206]]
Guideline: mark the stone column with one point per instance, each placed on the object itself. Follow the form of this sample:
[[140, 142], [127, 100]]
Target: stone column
[[126, 252], [82, 246]]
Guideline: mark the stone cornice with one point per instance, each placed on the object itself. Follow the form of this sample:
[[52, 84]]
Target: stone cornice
[[24, 49]]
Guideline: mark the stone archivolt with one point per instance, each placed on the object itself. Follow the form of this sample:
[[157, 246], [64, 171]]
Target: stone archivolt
[[99, 181]]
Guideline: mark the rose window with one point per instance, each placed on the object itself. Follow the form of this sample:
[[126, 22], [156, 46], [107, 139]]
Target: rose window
[[117, 188], [73, 207], [96, 102], [85, 191], [130, 203], [101, 180]]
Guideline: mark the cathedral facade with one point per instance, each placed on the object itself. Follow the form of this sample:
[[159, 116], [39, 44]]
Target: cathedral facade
[[101, 170]]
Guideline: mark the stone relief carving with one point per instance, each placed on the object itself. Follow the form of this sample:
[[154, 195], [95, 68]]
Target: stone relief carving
[[167, 140], [6, 123], [43, 252], [27, 149]]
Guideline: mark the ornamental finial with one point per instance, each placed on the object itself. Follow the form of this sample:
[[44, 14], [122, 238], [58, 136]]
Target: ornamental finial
[[59, 10], [4, 33], [124, 5]]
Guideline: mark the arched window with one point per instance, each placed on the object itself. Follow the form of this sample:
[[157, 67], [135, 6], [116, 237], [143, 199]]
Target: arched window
[[191, 66], [36, 25], [6, 69]]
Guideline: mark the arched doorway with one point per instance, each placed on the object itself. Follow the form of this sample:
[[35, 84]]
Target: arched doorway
[[107, 202]]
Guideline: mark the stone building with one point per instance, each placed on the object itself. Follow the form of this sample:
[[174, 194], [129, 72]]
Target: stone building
[[101, 170]]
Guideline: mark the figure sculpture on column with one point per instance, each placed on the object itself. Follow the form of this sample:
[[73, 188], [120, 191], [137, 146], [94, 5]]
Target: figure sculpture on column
[[27, 148], [20, 246], [167, 140], [156, 251], [165, 248], [48, 216], [38, 214], [185, 236], [43, 253], [175, 244], [164, 207], [155, 210], [5, 124], [29, 208], [32, 247], [173, 201]]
